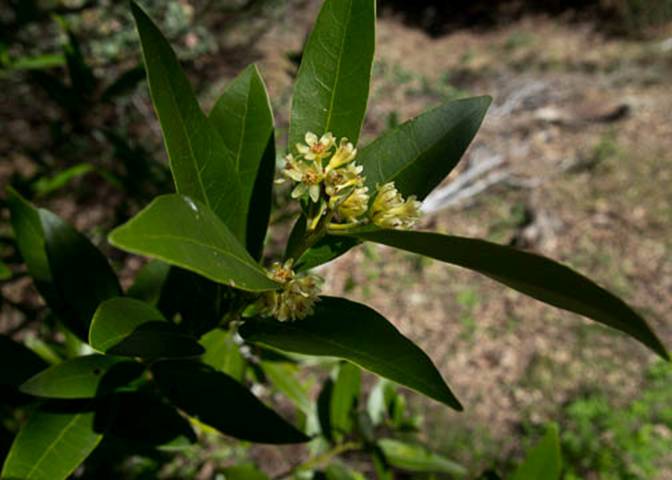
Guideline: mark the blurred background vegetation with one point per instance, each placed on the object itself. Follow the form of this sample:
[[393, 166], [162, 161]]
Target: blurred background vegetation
[[574, 161]]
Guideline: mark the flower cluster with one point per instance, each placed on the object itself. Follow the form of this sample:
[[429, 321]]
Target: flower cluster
[[332, 184], [390, 210], [296, 298]]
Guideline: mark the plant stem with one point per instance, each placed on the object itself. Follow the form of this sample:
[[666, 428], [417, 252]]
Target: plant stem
[[320, 459]]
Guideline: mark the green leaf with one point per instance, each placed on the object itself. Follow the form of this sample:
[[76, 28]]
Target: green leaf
[[416, 458], [81, 74], [129, 327], [29, 236], [337, 471], [380, 397], [199, 303], [419, 154], [219, 401], [149, 281], [542, 461], [354, 332], [243, 118], [284, 377], [244, 472], [83, 377], [5, 271], [81, 274], [38, 62], [380, 465], [202, 165], [69, 272], [332, 85], [222, 353], [531, 274], [259, 212], [51, 445], [143, 418], [46, 185], [17, 362], [343, 404], [325, 250], [185, 233], [323, 409]]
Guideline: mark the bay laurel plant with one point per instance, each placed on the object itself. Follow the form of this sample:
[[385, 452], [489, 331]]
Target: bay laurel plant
[[168, 355]]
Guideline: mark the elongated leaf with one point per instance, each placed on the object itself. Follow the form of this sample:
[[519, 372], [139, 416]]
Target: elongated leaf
[[46, 185], [415, 458], [243, 118], [51, 445], [324, 251], [5, 271], [532, 274], [69, 272], [323, 407], [244, 472], [185, 233], [29, 236], [129, 327], [380, 398], [38, 62], [219, 401], [337, 471], [144, 419], [283, 376], [81, 274], [354, 332], [344, 398], [83, 377], [419, 154], [117, 318], [17, 362], [259, 213], [202, 165], [154, 340], [332, 86], [81, 74], [199, 302], [222, 353], [542, 461]]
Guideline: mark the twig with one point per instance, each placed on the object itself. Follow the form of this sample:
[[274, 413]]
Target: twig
[[319, 459]]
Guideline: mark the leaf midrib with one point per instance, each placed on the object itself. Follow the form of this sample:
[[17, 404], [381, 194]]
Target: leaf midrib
[[420, 151], [179, 116], [330, 112], [49, 449], [375, 359], [249, 266]]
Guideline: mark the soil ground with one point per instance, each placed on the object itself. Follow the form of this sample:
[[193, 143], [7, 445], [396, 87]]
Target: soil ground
[[582, 121]]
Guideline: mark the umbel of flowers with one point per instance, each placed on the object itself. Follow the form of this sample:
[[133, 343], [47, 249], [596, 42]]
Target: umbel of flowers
[[331, 186]]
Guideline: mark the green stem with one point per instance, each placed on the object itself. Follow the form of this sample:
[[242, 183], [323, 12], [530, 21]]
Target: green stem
[[310, 238], [321, 459]]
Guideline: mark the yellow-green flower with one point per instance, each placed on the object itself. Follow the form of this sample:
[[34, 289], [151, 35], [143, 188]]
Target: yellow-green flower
[[390, 210], [345, 153], [354, 206], [316, 148], [297, 297], [338, 180], [309, 176]]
